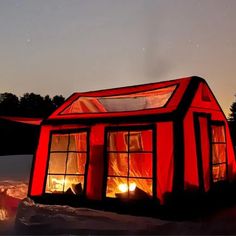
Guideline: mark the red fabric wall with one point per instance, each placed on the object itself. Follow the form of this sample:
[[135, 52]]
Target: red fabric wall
[[190, 155], [39, 171], [204, 99], [165, 159], [204, 102], [205, 148]]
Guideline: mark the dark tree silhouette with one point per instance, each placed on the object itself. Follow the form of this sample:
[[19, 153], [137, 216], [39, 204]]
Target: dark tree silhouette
[[32, 105], [232, 121], [9, 104], [29, 105], [232, 115], [48, 106], [18, 138], [57, 101]]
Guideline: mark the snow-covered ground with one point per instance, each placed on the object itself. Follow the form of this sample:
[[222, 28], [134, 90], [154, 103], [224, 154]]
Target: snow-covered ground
[[20, 215], [36, 218], [44, 219], [15, 167], [11, 193], [14, 177]]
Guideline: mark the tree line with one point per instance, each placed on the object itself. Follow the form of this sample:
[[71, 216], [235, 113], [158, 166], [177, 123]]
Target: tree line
[[18, 138], [29, 105]]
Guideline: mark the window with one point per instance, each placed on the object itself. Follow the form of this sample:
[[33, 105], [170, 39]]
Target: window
[[67, 160], [130, 102], [218, 153], [130, 164]]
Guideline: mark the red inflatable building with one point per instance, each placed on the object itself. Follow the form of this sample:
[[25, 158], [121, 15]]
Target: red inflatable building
[[138, 142]]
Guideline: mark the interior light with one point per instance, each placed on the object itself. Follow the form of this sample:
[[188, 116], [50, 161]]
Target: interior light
[[123, 188], [132, 187]]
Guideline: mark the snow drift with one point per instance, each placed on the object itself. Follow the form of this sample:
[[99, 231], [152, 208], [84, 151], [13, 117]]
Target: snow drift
[[54, 219]]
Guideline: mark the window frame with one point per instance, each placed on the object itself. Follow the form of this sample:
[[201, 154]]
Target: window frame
[[177, 85], [68, 131], [220, 124], [153, 152]]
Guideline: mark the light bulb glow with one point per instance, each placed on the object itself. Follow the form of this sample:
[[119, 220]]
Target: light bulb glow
[[123, 188], [132, 187]]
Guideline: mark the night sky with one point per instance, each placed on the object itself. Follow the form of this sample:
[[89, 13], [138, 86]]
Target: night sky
[[60, 47]]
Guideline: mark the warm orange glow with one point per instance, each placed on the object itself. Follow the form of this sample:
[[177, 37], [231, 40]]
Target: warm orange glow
[[132, 187], [3, 214], [117, 185], [58, 183], [124, 187]]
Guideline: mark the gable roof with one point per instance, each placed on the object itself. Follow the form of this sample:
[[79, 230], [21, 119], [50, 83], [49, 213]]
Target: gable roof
[[146, 99]]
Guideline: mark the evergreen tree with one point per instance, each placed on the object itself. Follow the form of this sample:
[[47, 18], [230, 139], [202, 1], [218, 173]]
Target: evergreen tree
[[232, 121], [232, 115]]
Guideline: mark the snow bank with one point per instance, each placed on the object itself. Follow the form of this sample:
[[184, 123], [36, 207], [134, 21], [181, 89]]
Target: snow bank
[[14, 177], [11, 193], [54, 219], [16, 189]]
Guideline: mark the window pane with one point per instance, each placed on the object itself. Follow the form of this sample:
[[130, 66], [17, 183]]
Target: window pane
[[128, 102], [118, 164], [76, 163], [222, 174], [57, 163], [135, 141], [146, 136], [140, 165], [143, 187], [218, 133], [115, 186], [74, 184], [59, 142], [116, 141], [219, 172], [78, 142], [55, 184], [218, 153]]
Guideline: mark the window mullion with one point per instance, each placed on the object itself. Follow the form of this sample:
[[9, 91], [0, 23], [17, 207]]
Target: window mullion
[[128, 161], [67, 154]]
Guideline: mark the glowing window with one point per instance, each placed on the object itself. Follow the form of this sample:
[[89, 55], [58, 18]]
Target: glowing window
[[67, 160], [218, 153], [130, 102], [130, 164]]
